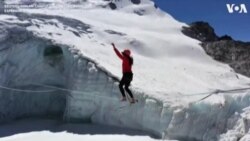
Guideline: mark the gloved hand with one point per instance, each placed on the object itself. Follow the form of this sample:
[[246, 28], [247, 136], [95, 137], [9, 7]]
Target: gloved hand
[[113, 45]]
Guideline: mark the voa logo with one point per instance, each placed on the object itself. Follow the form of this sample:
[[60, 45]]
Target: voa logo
[[233, 8]]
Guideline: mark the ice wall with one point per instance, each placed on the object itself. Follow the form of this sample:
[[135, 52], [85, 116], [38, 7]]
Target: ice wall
[[22, 65]]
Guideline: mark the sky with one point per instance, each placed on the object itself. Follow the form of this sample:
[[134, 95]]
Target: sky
[[215, 12]]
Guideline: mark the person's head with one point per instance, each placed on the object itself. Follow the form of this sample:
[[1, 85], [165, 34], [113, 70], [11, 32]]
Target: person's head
[[126, 52]]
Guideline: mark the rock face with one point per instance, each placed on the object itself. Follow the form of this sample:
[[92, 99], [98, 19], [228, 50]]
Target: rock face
[[234, 53], [201, 31], [136, 1], [224, 48]]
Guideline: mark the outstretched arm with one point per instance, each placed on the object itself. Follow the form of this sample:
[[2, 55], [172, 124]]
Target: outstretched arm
[[117, 51]]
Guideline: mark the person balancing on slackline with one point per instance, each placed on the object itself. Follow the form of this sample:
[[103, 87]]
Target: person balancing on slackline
[[127, 62]]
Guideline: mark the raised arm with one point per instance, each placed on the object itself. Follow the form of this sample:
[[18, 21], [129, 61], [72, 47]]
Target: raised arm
[[117, 51]]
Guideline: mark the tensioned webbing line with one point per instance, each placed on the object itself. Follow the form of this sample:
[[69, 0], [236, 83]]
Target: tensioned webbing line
[[54, 88], [27, 91], [217, 92], [81, 92], [66, 90]]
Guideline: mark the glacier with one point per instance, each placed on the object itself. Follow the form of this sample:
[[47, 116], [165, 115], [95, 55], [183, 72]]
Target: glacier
[[44, 73]]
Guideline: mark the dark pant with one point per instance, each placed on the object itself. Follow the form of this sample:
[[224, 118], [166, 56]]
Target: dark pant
[[126, 80]]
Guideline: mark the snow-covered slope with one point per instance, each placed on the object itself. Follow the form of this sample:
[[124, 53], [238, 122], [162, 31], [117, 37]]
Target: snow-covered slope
[[169, 70], [164, 57]]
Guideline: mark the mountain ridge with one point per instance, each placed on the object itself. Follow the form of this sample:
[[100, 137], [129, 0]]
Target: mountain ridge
[[224, 49]]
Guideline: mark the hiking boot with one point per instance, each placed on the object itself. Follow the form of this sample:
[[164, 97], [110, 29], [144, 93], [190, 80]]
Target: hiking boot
[[132, 101], [123, 99]]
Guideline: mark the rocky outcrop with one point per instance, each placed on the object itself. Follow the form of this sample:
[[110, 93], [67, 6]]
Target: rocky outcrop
[[201, 31], [224, 48], [234, 53]]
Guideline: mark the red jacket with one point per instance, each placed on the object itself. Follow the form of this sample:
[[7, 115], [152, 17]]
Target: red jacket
[[126, 66]]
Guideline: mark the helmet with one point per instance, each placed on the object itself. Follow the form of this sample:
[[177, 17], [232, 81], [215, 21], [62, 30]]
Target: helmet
[[127, 52]]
